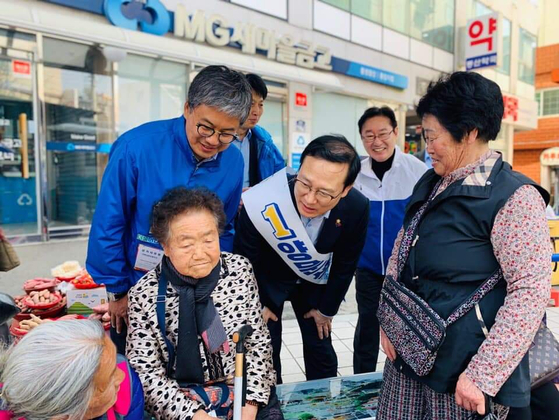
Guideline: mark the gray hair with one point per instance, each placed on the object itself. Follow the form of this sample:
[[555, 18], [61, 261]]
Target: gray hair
[[49, 373], [222, 88]]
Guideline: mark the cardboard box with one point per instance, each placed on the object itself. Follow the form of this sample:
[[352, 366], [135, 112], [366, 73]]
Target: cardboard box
[[81, 301]]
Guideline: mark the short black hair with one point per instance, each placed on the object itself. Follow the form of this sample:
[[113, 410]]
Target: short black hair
[[180, 200], [257, 85], [462, 102], [335, 148], [375, 111]]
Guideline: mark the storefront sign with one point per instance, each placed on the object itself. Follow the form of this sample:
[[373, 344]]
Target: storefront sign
[[520, 112], [21, 68], [298, 143], [250, 39], [24, 200], [7, 156], [300, 99], [63, 146], [373, 74], [550, 157], [152, 17], [482, 38]]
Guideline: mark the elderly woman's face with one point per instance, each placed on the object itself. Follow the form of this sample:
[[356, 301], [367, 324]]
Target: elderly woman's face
[[193, 244], [106, 381], [447, 154]]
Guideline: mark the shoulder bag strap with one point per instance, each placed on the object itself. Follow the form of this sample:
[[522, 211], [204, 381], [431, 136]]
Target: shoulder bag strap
[[410, 237], [475, 297], [160, 308], [253, 172]]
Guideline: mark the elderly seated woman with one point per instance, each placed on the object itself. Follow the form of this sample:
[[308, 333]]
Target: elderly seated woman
[[202, 297], [68, 370]]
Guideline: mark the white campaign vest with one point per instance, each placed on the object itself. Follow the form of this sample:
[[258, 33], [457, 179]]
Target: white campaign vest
[[271, 210]]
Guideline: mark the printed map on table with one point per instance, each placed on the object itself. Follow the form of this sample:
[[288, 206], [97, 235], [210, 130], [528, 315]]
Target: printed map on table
[[341, 398]]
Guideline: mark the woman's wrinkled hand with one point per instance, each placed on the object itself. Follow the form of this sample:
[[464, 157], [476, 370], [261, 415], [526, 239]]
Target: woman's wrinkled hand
[[469, 396], [387, 346]]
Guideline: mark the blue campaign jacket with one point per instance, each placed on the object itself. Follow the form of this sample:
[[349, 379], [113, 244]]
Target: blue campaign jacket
[[269, 158], [144, 163], [387, 204]]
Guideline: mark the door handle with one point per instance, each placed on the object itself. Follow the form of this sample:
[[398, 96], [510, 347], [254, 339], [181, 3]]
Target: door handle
[[24, 149]]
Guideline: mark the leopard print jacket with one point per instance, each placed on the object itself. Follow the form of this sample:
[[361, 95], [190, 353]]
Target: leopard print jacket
[[237, 302]]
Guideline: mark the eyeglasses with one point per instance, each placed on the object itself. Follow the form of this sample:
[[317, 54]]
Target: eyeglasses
[[369, 138], [321, 196], [224, 138]]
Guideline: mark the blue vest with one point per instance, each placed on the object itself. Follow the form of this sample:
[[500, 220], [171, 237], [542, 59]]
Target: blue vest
[[452, 257]]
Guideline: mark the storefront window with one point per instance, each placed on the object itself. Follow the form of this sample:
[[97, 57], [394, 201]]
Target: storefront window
[[341, 4], [149, 89], [432, 21], [506, 34], [272, 120], [367, 9], [396, 15], [18, 175], [526, 56], [338, 114], [78, 97], [550, 102]]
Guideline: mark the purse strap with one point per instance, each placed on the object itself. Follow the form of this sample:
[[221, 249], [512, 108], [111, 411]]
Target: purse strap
[[409, 238], [473, 300]]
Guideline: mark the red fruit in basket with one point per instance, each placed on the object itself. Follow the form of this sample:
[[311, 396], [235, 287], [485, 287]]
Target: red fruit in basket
[[39, 284]]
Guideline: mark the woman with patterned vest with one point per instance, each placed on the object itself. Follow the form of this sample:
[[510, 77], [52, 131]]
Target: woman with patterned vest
[[474, 231]]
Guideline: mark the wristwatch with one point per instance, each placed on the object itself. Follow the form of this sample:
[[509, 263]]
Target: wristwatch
[[113, 297]]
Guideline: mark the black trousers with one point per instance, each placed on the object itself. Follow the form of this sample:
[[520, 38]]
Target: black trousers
[[119, 340], [320, 357], [367, 336], [544, 405]]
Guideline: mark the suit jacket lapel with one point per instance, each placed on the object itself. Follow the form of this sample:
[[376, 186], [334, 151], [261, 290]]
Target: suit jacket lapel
[[330, 231]]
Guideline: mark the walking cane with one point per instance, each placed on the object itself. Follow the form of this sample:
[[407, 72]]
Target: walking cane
[[240, 368]]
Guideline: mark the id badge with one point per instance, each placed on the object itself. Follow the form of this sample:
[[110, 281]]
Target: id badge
[[147, 258]]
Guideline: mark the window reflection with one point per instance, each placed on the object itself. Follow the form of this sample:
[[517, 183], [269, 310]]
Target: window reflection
[[78, 96]]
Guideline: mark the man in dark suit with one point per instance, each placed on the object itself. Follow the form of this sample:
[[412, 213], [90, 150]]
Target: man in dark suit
[[335, 218]]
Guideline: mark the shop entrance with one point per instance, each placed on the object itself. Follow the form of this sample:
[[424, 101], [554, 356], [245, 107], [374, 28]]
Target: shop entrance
[[19, 212]]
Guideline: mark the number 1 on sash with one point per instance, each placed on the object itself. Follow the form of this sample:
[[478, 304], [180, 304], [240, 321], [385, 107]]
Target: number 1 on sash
[[273, 216]]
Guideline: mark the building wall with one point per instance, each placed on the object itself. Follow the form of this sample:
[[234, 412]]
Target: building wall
[[528, 145], [549, 30], [528, 163]]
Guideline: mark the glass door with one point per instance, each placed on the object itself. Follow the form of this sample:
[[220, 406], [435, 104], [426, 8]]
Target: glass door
[[18, 175]]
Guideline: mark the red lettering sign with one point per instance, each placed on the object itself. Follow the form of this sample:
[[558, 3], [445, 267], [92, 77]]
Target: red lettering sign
[[511, 107], [21, 67], [476, 29], [300, 99]]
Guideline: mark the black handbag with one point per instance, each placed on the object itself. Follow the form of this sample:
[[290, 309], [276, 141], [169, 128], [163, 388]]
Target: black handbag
[[544, 357]]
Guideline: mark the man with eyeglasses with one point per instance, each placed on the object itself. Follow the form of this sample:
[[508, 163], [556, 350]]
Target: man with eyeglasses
[[304, 234], [387, 179], [192, 150]]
